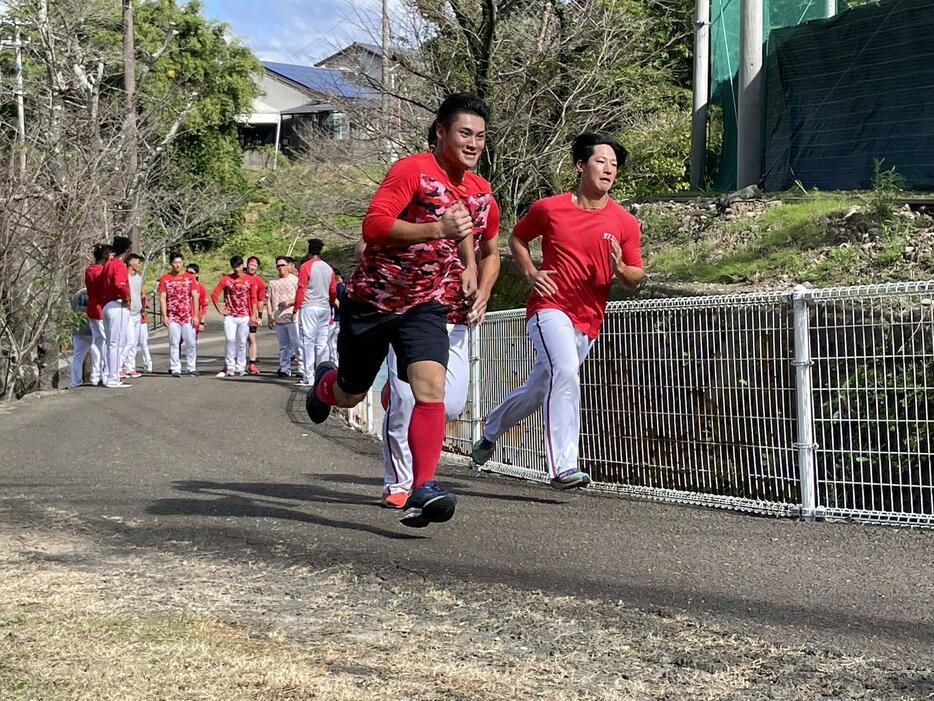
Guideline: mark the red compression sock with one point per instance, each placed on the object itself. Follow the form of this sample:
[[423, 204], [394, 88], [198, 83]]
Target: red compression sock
[[324, 390], [426, 436]]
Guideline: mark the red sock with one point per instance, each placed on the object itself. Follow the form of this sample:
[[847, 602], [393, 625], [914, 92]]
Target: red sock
[[426, 436], [324, 390]]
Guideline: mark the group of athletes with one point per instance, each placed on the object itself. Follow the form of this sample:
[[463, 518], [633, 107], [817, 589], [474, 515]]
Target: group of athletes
[[428, 262], [113, 329]]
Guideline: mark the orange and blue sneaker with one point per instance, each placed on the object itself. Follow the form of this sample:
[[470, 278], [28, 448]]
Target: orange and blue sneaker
[[430, 503]]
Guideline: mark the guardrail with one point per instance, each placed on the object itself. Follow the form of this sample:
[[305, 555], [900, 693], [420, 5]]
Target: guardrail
[[811, 403]]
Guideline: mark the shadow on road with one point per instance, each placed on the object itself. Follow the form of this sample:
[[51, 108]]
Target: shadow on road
[[226, 505]]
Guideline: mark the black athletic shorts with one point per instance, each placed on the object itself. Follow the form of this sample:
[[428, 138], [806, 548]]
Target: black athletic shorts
[[366, 333], [253, 329]]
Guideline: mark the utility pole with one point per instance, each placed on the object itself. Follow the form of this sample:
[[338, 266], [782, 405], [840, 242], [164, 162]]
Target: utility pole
[[701, 93], [385, 78], [830, 8], [131, 126], [749, 112], [17, 45]]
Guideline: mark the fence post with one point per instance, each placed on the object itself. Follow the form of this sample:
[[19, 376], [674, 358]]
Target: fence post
[[368, 411], [804, 397], [473, 345]]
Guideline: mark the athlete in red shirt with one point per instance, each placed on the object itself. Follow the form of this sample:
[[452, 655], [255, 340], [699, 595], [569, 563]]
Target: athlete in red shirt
[[92, 283], [252, 268], [239, 312], [201, 314], [115, 296], [588, 240], [179, 300], [418, 229]]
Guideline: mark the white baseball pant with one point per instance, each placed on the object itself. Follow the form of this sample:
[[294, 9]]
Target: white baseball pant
[[116, 318], [182, 332], [132, 341], [143, 341], [333, 331], [313, 325], [553, 384], [288, 345], [236, 329], [98, 351], [397, 458], [80, 345]]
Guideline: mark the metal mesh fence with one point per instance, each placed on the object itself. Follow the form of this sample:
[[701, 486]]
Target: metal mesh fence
[[732, 401]]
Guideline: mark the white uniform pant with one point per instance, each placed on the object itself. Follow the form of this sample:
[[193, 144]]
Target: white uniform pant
[[80, 345], [313, 325], [116, 318], [236, 329], [182, 332], [143, 346], [132, 341], [98, 350], [397, 458], [333, 331], [288, 345], [553, 384]]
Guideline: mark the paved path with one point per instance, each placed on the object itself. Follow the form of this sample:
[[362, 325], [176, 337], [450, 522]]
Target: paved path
[[234, 467]]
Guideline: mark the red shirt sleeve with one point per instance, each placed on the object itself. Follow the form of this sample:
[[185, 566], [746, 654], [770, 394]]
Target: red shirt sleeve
[[121, 281], [204, 299], [162, 286], [303, 274], [218, 288], [332, 289], [260, 290], [630, 236], [492, 221], [390, 200], [532, 225]]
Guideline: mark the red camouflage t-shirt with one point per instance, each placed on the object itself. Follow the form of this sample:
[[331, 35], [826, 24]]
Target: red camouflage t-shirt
[[178, 301], [574, 246], [239, 294], [396, 278]]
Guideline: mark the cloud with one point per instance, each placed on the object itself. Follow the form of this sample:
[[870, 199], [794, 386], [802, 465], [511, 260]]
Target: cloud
[[296, 31]]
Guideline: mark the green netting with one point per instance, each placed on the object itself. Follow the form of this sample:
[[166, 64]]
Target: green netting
[[724, 57]]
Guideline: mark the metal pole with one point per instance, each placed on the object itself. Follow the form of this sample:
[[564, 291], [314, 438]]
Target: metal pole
[[132, 136], [804, 394], [20, 111], [369, 422], [278, 136], [473, 346], [830, 8], [385, 78], [701, 93], [749, 112]]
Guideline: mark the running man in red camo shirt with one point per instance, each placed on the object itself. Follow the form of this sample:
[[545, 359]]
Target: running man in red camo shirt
[[252, 268], [239, 314], [115, 296], [178, 297], [92, 283], [588, 240], [419, 227], [200, 314]]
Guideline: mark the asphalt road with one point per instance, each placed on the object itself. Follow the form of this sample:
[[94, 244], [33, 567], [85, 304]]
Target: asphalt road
[[234, 467]]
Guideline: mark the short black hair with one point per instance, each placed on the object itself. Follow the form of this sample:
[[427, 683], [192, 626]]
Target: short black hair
[[134, 256], [193, 266], [584, 144], [235, 261], [315, 246], [101, 251], [258, 264], [175, 254], [121, 245], [337, 272], [433, 134], [459, 102]]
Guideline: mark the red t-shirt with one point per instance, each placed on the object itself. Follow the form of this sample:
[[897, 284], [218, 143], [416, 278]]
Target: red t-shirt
[[114, 284], [575, 248], [203, 299], [396, 278], [92, 281], [239, 294], [178, 301], [259, 292]]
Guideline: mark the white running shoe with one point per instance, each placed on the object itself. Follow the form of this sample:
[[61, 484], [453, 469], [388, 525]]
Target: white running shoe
[[117, 385]]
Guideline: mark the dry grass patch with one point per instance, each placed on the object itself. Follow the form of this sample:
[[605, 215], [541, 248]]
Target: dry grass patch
[[81, 619]]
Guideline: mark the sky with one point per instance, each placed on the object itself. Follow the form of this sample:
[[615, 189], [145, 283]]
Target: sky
[[295, 31]]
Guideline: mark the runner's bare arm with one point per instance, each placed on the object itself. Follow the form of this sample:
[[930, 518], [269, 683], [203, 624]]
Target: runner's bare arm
[[539, 279]]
